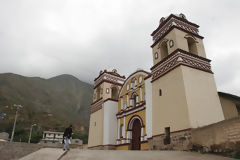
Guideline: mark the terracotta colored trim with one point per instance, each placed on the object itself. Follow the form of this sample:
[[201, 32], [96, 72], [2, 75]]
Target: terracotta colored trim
[[145, 141], [96, 109], [102, 145], [111, 73], [122, 144], [132, 108], [175, 52], [135, 112], [188, 129], [150, 138], [97, 101], [170, 29], [109, 145], [130, 76], [173, 16], [95, 146], [149, 76], [110, 99], [119, 84]]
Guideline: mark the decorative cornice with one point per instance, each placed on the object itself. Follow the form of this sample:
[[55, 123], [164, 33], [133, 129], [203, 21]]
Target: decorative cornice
[[176, 51], [112, 82], [111, 73], [110, 99], [173, 16], [170, 29], [177, 58], [109, 77], [97, 101], [173, 20], [96, 106], [131, 110]]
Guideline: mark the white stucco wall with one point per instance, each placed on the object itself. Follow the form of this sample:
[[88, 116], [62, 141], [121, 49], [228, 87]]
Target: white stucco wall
[[110, 122], [148, 96]]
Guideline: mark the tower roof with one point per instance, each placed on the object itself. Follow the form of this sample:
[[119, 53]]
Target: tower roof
[[110, 76], [179, 21]]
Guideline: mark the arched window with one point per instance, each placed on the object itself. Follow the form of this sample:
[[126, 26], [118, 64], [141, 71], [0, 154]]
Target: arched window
[[192, 47], [134, 99], [114, 93], [164, 49], [133, 83]]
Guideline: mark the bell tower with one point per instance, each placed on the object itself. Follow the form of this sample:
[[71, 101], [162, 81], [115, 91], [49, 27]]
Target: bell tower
[[184, 94], [103, 121]]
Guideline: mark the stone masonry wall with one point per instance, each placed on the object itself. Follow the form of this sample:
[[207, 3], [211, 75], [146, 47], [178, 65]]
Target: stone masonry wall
[[179, 141], [219, 137], [223, 136]]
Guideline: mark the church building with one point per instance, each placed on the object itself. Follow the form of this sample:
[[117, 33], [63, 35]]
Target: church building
[[159, 109]]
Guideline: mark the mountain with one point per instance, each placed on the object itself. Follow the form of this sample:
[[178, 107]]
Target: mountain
[[52, 103]]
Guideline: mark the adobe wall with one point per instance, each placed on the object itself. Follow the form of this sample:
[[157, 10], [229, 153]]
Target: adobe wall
[[219, 137]]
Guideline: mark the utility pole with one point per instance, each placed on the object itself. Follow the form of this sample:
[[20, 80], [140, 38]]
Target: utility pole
[[14, 125], [30, 135]]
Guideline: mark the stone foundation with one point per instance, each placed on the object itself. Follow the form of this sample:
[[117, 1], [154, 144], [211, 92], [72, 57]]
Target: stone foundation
[[221, 137], [180, 140]]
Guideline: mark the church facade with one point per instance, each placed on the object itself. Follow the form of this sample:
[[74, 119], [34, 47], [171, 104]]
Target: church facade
[[158, 109]]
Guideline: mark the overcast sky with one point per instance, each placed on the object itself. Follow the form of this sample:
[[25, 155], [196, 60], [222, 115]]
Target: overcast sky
[[45, 38]]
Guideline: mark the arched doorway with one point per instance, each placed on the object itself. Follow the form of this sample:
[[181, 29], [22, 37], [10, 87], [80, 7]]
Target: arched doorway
[[136, 135]]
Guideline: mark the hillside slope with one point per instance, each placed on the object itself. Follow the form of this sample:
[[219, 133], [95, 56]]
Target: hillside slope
[[52, 102]]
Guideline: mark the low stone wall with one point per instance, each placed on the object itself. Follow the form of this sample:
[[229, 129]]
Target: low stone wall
[[223, 136], [16, 150], [180, 140]]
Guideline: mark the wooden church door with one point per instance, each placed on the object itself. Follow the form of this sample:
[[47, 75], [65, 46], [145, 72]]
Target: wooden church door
[[136, 135]]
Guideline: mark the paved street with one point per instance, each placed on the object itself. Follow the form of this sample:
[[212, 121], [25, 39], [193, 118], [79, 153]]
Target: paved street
[[76, 154], [45, 154]]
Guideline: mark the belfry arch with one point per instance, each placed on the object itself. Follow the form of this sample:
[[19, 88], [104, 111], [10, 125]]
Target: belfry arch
[[114, 92], [192, 44], [163, 46]]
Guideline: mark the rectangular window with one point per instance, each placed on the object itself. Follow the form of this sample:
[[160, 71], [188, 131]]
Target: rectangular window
[[167, 139], [160, 92], [238, 109]]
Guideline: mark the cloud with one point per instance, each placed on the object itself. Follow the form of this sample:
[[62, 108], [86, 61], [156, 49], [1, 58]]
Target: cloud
[[50, 37]]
